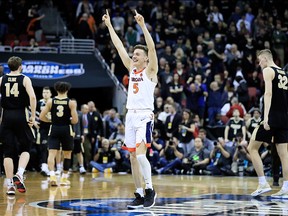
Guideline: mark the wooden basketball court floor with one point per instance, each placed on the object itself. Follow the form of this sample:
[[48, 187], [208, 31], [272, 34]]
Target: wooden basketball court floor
[[108, 194]]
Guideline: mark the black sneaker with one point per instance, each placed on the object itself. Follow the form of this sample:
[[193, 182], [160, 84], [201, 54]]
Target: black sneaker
[[150, 197], [137, 202], [276, 183], [19, 182]]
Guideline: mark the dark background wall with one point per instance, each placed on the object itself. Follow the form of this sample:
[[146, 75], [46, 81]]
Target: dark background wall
[[93, 85]]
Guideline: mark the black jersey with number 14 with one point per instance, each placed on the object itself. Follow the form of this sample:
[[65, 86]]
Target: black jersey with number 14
[[13, 92]]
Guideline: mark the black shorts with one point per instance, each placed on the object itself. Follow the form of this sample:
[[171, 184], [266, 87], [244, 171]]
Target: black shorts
[[15, 129], [44, 135], [61, 136], [78, 146], [274, 135]]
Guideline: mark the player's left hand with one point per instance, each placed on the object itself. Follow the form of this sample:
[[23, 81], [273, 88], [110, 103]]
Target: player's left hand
[[139, 19], [31, 121], [266, 126]]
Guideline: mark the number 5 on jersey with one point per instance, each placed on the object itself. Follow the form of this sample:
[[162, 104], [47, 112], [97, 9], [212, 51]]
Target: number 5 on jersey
[[135, 88]]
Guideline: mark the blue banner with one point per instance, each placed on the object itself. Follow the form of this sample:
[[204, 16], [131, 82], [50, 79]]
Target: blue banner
[[48, 70]]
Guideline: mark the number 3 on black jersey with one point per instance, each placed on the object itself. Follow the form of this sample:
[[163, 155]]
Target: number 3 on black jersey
[[12, 90], [283, 81]]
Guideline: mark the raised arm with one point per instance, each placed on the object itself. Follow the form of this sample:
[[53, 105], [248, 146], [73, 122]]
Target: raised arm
[[117, 42], [152, 55]]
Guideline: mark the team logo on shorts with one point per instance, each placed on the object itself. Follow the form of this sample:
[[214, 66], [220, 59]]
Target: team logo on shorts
[[208, 204]]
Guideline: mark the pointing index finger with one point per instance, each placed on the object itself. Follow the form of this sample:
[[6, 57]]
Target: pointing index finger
[[107, 12], [136, 12]]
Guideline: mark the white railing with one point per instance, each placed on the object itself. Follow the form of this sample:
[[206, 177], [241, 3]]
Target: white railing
[[40, 49], [79, 46], [5, 48]]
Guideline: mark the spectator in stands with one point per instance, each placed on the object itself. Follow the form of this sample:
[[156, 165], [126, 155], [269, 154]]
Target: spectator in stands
[[180, 69], [234, 104], [279, 40], [242, 90], [111, 122], [170, 157], [197, 159], [118, 22], [213, 102], [234, 127], [116, 140], [207, 143], [165, 80], [83, 30], [193, 93], [159, 105], [176, 88], [241, 158], [215, 15], [221, 157], [105, 158], [170, 31], [101, 37], [34, 28], [253, 122], [170, 58], [153, 153], [172, 122], [132, 36], [186, 132], [84, 6]]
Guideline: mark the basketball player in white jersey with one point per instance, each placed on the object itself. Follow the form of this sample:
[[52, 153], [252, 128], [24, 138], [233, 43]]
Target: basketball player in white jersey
[[143, 68]]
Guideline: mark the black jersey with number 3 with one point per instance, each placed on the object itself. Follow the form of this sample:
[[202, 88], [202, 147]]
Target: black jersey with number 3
[[13, 92], [278, 114], [60, 112]]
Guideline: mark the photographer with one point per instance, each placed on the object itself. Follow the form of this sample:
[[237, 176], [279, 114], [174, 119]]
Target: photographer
[[170, 157], [105, 158], [116, 141], [241, 158], [197, 159], [221, 156], [156, 146]]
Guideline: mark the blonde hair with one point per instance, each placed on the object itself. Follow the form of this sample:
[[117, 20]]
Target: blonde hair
[[266, 52]]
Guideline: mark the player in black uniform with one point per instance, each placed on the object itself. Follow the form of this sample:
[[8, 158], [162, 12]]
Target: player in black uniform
[[44, 130], [17, 94], [274, 128], [63, 115]]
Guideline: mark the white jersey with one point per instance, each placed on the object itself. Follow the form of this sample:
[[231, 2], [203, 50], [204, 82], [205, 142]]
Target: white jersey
[[140, 91]]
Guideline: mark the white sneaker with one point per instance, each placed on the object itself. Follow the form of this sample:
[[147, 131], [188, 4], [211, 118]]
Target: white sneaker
[[58, 172], [261, 189], [82, 170], [282, 194], [11, 190]]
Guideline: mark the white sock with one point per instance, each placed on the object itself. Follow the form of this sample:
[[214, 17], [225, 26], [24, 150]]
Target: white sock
[[65, 175], [146, 170], [140, 191], [58, 166], [262, 180], [10, 182], [20, 171], [285, 185], [52, 173]]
